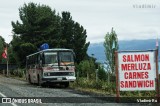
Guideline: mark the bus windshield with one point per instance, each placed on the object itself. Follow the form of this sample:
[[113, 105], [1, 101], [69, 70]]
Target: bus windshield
[[66, 58], [51, 58]]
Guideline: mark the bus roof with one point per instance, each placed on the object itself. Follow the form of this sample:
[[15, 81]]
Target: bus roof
[[56, 49]]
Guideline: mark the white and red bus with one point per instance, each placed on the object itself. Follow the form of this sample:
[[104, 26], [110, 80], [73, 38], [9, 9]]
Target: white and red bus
[[51, 66]]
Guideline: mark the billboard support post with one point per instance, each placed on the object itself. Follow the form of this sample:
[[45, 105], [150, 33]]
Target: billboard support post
[[117, 77], [157, 75]]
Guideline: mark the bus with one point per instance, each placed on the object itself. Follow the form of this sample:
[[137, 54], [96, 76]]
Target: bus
[[51, 66]]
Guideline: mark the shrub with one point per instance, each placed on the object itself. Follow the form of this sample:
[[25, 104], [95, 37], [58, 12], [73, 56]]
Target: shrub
[[11, 72], [19, 72], [102, 74]]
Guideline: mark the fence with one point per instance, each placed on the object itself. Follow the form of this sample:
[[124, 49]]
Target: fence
[[10, 67]]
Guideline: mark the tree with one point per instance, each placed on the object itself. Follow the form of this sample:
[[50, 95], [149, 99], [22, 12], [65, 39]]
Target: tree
[[67, 30], [79, 40], [20, 50], [101, 73], [2, 42], [24, 50], [111, 45], [38, 24], [87, 67], [11, 55], [74, 37], [15, 45]]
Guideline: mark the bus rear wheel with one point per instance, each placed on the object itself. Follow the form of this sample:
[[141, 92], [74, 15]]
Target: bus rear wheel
[[29, 79]]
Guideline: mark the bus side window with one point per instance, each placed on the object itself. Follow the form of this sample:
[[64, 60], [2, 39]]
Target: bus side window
[[41, 61], [43, 58]]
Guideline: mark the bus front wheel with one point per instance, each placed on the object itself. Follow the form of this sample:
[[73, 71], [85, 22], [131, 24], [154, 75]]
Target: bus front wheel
[[66, 84], [39, 81]]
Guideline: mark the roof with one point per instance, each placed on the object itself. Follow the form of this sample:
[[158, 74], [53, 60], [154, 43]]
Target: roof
[[56, 49]]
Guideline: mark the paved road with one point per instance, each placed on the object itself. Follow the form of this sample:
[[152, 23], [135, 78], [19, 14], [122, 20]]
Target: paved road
[[56, 96]]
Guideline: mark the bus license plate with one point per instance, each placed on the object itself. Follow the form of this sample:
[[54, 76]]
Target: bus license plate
[[59, 79]]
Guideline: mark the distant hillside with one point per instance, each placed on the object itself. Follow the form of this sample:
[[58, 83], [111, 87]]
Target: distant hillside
[[98, 49]]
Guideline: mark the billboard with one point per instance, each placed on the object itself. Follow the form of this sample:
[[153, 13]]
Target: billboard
[[137, 71]]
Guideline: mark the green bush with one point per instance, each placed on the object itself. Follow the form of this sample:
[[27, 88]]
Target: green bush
[[11, 72], [103, 85], [102, 74], [86, 68], [138, 93], [19, 72], [111, 87], [97, 85], [15, 72]]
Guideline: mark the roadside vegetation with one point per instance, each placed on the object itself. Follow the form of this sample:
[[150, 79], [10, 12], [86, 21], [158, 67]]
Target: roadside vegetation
[[104, 84]]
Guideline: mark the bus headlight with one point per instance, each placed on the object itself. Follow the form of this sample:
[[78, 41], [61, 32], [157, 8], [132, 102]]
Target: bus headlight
[[48, 74], [45, 74], [71, 74]]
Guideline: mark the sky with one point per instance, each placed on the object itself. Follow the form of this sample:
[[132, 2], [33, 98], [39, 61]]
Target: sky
[[131, 19]]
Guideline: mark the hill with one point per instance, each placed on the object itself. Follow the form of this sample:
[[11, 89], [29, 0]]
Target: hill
[[98, 49]]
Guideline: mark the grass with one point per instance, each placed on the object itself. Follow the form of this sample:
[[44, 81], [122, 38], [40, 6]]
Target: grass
[[102, 88], [92, 90]]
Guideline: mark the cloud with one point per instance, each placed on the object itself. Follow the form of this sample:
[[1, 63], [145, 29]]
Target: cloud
[[96, 16]]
